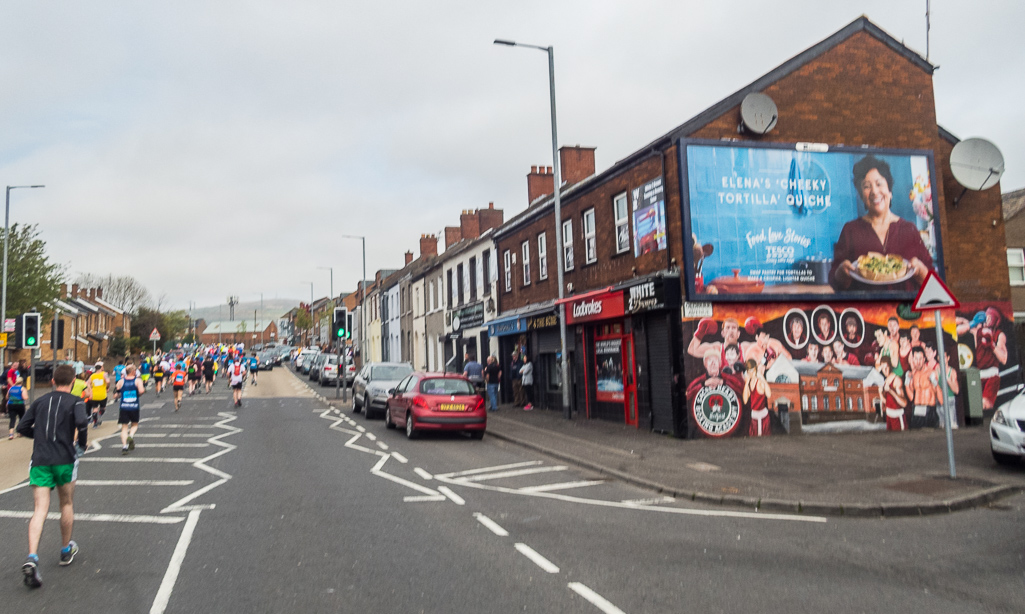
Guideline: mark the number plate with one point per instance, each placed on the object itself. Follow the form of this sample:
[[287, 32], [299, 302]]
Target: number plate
[[451, 407]]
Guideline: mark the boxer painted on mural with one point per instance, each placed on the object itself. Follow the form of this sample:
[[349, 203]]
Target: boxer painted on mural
[[841, 356], [851, 332], [732, 365], [824, 327], [904, 353], [990, 350], [756, 397], [763, 342], [828, 356], [922, 391], [813, 353], [796, 332], [714, 376], [886, 352], [700, 344], [916, 336], [892, 395]]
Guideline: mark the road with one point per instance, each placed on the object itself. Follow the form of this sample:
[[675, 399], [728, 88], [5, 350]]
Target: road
[[288, 505]]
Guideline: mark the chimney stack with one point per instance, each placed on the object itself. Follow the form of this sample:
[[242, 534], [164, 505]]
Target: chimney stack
[[469, 225], [64, 291], [74, 290], [453, 235], [489, 218], [540, 182], [99, 293], [409, 257], [428, 245], [576, 163]]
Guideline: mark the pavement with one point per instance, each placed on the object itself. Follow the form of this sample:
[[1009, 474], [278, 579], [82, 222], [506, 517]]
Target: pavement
[[837, 474]]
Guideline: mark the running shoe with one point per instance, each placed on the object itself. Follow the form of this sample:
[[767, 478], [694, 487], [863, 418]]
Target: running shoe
[[131, 444], [124, 451], [30, 570], [528, 407], [68, 554]]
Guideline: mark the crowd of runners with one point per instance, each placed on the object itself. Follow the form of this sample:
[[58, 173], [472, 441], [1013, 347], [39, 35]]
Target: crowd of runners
[[58, 422]]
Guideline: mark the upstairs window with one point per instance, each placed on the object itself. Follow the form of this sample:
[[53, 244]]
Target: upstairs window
[[590, 242], [542, 256], [507, 258], [567, 245], [525, 249], [622, 217]]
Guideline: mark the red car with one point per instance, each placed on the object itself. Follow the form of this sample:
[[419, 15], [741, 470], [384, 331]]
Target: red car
[[436, 402]]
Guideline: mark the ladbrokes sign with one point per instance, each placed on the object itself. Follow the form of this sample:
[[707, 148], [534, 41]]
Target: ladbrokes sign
[[600, 307]]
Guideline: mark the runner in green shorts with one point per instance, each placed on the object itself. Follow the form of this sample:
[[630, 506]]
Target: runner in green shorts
[[53, 422]]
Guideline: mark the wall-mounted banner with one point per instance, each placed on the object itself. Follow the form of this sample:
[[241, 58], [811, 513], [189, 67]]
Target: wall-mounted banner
[[769, 220], [608, 358], [649, 217]]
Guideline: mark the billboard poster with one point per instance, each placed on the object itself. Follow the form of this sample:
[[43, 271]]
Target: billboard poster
[[758, 369], [608, 358], [649, 217], [772, 221]]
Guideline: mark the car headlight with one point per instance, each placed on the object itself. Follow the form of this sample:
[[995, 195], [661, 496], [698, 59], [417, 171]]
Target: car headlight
[[1002, 419]]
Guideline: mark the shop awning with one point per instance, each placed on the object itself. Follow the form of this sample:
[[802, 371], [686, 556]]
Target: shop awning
[[577, 297]]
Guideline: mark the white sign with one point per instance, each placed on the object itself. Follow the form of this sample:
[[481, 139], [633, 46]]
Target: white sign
[[697, 310], [155, 335], [934, 295], [9, 325]]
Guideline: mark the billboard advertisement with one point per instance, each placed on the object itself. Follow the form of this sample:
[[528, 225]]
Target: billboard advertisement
[[649, 217], [773, 222]]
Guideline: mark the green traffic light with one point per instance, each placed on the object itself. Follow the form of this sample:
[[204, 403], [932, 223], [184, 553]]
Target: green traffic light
[[30, 341], [341, 332]]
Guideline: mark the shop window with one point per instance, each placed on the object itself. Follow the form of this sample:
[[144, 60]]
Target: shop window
[[553, 373], [542, 256], [1016, 265], [622, 215], [449, 276], [525, 249], [567, 245], [507, 260], [485, 260], [590, 242]]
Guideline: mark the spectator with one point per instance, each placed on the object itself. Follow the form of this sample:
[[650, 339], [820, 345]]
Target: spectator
[[473, 370], [527, 375], [493, 376], [517, 383]]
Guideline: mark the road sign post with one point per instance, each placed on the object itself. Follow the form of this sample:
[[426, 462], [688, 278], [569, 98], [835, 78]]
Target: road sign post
[[936, 295], [154, 337]]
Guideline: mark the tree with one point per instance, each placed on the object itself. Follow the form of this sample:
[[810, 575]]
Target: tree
[[303, 319], [171, 325], [32, 280], [124, 292]]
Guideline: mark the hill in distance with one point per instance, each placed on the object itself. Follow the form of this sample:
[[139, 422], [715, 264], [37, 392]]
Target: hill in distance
[[272, 309]]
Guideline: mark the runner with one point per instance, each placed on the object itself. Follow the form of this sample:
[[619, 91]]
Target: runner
[[97, 403], [209, 371], [80, 387], [15, 404], [145, 368], [238, 377], [54, 464], [159, 371], [131, 389], [119, 373], [194, 374], [254, 366], [178, 383]]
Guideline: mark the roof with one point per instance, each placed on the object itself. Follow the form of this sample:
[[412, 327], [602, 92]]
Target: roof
[[861, 24], [107, 306], [229, 327], [1013, 203], [848, 371]]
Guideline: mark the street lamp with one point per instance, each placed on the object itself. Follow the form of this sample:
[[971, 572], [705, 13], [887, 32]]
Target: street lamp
[[362, 295], [7, 231], [310, 336], [564, 363]]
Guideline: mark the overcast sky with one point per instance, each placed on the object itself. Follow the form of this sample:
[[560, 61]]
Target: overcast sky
[[219, 147]]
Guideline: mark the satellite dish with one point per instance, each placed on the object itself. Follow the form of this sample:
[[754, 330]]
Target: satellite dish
[[976, 164], [758, 112]]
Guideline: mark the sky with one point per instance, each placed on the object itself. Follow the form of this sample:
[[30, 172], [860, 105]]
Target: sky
[[213, 148]]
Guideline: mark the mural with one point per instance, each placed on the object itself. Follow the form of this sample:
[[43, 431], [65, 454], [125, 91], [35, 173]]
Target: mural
[[755, 369]]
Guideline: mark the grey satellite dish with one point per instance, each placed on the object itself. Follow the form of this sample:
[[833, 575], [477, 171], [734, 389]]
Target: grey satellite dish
[[758, 112], [976, 164]]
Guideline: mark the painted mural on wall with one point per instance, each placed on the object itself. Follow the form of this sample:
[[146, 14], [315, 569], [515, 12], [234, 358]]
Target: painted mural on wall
[[756, 369], [849, 222]]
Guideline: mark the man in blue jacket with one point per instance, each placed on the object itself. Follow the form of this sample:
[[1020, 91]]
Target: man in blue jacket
[[53, 422]]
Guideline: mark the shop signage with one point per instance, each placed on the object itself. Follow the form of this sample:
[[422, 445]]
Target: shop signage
[[543, 321], [697, 310], [645, 297], [468, 317], [507, 327], [592, 308]]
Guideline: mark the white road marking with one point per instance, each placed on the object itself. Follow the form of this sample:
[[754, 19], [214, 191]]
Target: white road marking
[[15, 487], [399, 457], [171, 575], [538, 560], [361, 429], [561, 486], [512, 474], [652, 501], [173, 445], [457, 474], [226, 417], [382, 445], [178, 426], [100, 517], [491, 525], [133, 459], [171, 435], [371, 436], [135, 482], [451, 495], [414, 499], [420, 472], [596, 600]]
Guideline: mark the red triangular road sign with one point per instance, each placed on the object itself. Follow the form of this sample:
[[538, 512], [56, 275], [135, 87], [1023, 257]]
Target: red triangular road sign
[[934, 294]]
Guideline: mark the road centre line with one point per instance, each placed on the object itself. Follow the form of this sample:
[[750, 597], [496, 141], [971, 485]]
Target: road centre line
[[491, 525], [420, 472], [131, 459], [418, 498], [399, 457], [171, 575], [140, 519], [513, 473], [596, 600], [135, 482], [382, 445], [371, 436], [561, 486], [171, 435], [488, 469], [178, 426], [538, 560], [451, 495], [173, 445]]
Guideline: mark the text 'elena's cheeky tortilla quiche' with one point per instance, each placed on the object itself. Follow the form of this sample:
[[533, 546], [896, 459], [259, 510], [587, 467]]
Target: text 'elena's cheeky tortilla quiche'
[[874, 266]]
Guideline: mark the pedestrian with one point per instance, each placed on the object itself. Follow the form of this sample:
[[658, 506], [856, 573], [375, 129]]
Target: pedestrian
[[519, 400], [493, 376], [160, 368], [527, 375], [15, 404], [178, 384], [131, 389], [80, 387], [119, 372], [145, 367], [254, 366], [473, 371], [54, 417], [193, 371], [99, 381], [209, 371], [237, 377]]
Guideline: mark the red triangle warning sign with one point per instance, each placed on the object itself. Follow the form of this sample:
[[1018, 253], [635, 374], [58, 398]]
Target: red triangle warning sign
[[934, 295]]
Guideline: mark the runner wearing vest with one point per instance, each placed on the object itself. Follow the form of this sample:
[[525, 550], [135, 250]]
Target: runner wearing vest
[[130, 388], [237, 377], [97, 403], [178, 383]]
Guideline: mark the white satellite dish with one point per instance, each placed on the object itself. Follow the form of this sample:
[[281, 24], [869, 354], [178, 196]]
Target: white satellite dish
[[976, 164], [758, 112]]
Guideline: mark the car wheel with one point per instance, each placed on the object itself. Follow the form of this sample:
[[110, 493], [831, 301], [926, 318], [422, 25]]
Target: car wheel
[[355, 405], [369, 413], [410, 428], [388, 424], [478, 435], [1005, 459]]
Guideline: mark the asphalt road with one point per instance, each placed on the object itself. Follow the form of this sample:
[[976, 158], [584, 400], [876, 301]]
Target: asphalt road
[[289, 506]]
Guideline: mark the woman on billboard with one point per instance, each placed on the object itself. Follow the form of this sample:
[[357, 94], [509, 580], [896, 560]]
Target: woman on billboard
[[879, 250]]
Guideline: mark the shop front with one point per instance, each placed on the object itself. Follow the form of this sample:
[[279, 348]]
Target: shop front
[[466, 334], [534, 333]]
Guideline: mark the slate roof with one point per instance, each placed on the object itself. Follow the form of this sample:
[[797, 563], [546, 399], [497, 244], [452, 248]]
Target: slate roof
[[1013, 203]]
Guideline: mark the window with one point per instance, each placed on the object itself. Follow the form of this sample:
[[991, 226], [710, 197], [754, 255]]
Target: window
[[473, 278], [814, 403], [850, 404], [1016, 265], [450, 301], [825, 403], [542, 256], [459, 282], [567, 245], [485, 259], [622, 215], [525, 249], [804, 402], [507, 258], [590, 243], [431, 295], [861, 404]]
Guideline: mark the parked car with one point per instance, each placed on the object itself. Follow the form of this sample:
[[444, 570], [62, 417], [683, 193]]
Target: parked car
[[307, 359], [371, 385], [315, 365], [328, 370], [436, 402], [1007, 432], [266, 360]]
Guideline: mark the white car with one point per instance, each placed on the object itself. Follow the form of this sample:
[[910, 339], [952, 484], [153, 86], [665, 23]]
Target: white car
[[1007, 432], [372, 383]]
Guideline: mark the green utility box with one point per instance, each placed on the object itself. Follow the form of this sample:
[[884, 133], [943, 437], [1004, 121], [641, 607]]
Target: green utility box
[[971, 383]]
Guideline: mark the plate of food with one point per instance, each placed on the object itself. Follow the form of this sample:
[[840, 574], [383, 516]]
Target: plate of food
[[882, 269]]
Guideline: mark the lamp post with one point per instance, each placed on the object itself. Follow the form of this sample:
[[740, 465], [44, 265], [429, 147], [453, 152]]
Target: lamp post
[[362, 295], [309, 340], [7, 232], [564, 361]]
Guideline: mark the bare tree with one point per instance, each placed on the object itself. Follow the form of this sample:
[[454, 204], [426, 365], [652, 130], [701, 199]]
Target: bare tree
[[124, 291]]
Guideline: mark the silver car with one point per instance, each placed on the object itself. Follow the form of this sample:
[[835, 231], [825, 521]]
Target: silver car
[[372, 383]]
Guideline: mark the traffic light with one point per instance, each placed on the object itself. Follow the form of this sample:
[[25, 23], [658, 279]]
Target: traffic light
[[339, 324], [57, 340], [348, 329], [29, 338]]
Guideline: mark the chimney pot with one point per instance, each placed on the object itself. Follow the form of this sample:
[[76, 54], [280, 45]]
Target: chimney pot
[[409, 257]]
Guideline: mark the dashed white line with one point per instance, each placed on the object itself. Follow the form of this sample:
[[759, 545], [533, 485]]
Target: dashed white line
[[491, 525], [420, 472], [361, 429], [382, 445], [491, 469], [371, 436], [512, 474], [596, 600], [413, 499], [445, 490], [173, 445], [561, 486], [538, 560], [399, 457]]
